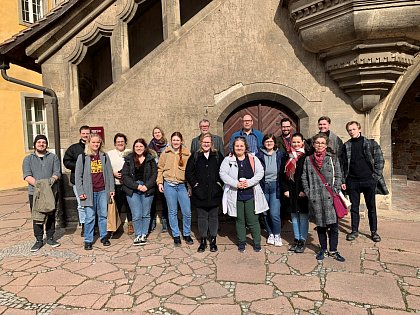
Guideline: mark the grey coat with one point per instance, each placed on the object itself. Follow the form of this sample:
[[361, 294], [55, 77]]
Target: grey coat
[[320, 202], [83, 178]]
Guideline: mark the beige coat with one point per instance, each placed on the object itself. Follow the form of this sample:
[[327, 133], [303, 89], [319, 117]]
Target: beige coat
[[168, 167]]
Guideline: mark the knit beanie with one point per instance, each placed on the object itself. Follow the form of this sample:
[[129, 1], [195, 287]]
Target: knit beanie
[[40, 137]]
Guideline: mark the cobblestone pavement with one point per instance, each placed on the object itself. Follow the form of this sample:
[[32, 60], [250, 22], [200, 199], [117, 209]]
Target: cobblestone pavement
[[379, 279]]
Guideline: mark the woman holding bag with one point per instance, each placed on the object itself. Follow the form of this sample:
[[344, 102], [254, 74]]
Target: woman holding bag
[[243, 197], [139, 175], [323, 163], [95, 185]]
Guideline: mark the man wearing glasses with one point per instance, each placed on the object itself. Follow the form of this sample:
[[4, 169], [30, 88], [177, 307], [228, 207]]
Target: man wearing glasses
[[204, 126], [252, 136], [285, 139]]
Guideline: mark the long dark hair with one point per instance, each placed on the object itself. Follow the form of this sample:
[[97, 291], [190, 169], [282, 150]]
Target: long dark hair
[[146, 150], [179, 135]]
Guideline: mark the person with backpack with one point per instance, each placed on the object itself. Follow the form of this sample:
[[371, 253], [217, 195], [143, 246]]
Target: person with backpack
[[363, 163], [243, 197], [95, 185], [202, 173]]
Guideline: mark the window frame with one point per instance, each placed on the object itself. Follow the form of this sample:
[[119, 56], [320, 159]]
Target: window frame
[[32, 97], [43, 11]]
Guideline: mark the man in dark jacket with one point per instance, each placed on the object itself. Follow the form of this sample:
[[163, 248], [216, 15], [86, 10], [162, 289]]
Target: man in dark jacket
[[363, 163], [284, 140], [42, 165], [204, 126], [69, 161]]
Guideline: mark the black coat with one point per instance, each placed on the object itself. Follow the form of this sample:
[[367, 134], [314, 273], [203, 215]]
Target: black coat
[[129, 178], [70, 157], [203, 176], [296, 204]]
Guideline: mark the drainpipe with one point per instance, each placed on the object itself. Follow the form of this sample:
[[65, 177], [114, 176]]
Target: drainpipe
[[4, 66]]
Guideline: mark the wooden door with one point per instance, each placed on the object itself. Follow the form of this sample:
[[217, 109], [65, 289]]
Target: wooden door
[[266, 116]]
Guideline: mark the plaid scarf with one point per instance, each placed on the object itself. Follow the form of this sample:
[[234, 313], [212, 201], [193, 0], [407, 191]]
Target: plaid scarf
[[287, 142], [294, 156], [319, 158]]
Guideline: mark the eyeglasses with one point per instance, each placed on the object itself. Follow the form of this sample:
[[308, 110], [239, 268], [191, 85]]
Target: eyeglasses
[[269, 141], [320, 143]]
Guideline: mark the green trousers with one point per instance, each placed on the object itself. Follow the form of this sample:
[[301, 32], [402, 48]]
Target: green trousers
[[246, 216]]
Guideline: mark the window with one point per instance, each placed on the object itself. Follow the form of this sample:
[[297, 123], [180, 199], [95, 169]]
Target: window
[[31, 10], [36, 119]]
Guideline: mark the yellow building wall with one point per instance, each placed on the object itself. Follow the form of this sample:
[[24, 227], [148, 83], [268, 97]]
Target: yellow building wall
[[11, 119]]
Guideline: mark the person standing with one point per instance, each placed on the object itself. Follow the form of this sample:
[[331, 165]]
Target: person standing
[[217, 141], [202, 174], [95, 185], [334, 142], [117, 156], [171, 181], [139, 176], [42, 166], [284, 141], [271, 160], [363, 163], [158, 144], [243, 197], [69, 161], [253, 136], [320, 202], [293, 191]]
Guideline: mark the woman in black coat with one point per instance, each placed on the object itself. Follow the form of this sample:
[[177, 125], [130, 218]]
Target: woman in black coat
[[202, 173], [293, 189]]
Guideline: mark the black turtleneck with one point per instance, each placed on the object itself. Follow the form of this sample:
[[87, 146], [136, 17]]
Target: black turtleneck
[[359, 165]]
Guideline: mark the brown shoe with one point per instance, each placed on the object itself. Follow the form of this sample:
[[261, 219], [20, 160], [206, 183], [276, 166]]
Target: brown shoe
[[130, 229]]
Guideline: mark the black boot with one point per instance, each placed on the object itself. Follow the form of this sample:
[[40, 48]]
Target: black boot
[[300, 247], [294, 246], [213, 246], [203, 245]]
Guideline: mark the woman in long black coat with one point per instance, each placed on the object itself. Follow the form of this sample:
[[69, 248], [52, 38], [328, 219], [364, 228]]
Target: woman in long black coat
[[202, 173], [292, 188]]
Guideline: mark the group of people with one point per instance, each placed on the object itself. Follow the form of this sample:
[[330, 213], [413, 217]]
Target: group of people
[[261, 179]]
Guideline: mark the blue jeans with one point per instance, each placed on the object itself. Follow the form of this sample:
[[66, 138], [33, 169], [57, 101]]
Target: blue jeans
[[300, 223], [272, 223], [140, 205], [100, 207], [80, 209], [175, 193]]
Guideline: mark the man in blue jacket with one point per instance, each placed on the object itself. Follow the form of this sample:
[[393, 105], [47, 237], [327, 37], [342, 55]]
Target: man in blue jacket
[[253, 136]]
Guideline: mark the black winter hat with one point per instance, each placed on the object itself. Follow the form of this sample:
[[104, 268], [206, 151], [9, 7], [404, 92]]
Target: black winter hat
[[40, 137]]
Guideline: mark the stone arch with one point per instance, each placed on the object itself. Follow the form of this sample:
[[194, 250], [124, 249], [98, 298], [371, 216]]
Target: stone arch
[[239, 94]]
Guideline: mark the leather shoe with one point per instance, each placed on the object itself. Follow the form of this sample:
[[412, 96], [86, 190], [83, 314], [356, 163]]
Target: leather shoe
[[88, 246], [105, 241], [188, 240]]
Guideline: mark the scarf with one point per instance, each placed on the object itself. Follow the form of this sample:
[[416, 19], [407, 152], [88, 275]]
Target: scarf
[[287, 143], [159, 145], [319, 158], [294, 156]]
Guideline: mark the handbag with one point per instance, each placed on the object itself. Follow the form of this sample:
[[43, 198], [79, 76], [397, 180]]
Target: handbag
[[113, 221], [339, 206]]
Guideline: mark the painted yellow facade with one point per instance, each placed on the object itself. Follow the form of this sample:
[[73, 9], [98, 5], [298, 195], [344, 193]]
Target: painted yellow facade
[[12, 104]]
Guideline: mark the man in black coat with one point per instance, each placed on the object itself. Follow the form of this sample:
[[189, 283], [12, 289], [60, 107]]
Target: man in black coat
[[70, 159]]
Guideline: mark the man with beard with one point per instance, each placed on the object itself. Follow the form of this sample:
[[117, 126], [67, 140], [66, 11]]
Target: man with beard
[[285, 139], [42, 165], [69, 161]]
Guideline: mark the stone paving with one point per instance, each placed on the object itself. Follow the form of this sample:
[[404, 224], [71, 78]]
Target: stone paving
[[378, 279]]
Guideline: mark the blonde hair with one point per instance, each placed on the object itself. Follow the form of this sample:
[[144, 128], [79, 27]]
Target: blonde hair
[[207, 135], [88, 150]]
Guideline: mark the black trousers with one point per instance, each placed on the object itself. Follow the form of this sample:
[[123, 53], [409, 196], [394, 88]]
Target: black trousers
[[39, 226], [332, 231], [368, 188], [208, 221], [121, 201]]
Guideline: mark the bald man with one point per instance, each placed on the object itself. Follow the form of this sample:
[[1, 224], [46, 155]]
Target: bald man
[[253, 136]]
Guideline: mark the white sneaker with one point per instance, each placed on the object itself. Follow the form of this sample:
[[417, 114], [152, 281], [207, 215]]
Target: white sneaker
[[277, 241], [270, 239], [137, 241], [143, 240]]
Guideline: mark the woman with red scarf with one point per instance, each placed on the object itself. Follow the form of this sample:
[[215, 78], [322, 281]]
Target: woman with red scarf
[[293, 190], [323, 163]]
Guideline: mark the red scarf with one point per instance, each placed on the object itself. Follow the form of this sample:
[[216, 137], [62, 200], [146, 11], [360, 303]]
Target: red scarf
[[290, 168], [287, 143], [319, 158]]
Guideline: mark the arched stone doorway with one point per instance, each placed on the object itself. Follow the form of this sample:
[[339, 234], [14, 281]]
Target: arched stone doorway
[[266, 115], [405, 134]]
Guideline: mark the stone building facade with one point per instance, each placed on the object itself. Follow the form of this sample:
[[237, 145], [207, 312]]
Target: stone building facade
[[128, 65]]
